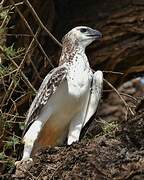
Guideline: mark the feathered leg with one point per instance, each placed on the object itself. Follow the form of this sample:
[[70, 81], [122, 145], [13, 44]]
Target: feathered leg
[[29, 140], [30, 137], [75, 128], [77, 121]]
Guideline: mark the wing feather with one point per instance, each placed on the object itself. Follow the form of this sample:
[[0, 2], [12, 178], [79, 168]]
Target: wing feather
[[48, 87]]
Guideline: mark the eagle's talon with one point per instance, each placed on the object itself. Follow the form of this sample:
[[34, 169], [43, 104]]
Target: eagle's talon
[[24, 162], [22, 166]]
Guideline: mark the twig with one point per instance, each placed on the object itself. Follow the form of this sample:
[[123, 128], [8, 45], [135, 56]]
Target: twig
[[56, 170], [19, 56], [32, 44], [127, 95], [27, 51], [10, 91], [28, 26], [126, 105], [40, 22], [8, 74], [35, 69], [23, 75], [3, 129], [17, 4], [5, 19], [2, 2], [24, 35], [124, 94], [11, 115], [22, 168], [11, 88], [113, 72], [19, 102], [11, 6]]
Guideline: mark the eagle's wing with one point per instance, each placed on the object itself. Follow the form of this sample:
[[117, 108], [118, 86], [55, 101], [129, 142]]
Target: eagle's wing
[[95, 95], [48, 87], [88, 108]]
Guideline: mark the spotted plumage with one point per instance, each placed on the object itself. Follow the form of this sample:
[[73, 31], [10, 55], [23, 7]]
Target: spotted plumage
[[67, 98], [48, 88]]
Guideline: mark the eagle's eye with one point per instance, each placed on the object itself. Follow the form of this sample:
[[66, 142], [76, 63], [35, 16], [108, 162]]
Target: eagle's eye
[[83, 30]]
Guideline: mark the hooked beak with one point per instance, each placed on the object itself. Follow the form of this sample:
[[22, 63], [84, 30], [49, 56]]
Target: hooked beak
[[95, 33]]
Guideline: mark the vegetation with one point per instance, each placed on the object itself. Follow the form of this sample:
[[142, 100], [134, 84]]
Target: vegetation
[[9, 81]]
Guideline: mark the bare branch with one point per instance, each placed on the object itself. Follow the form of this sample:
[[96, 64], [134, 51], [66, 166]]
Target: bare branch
[[126, 105], [2, 2], [113, 72], [124, 94], [41, 24], [23, 75], [28, 26]]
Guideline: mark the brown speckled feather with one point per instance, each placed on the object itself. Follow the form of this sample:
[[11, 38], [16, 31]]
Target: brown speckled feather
[[49, 86]]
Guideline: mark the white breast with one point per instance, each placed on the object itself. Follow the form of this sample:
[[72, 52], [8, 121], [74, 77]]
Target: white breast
[[79, 76]]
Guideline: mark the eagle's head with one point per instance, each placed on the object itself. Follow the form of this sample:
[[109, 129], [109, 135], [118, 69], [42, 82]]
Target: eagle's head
[[82, 36]]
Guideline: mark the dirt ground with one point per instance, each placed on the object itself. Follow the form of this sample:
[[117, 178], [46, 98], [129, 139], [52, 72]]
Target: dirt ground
[[111, 147]]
